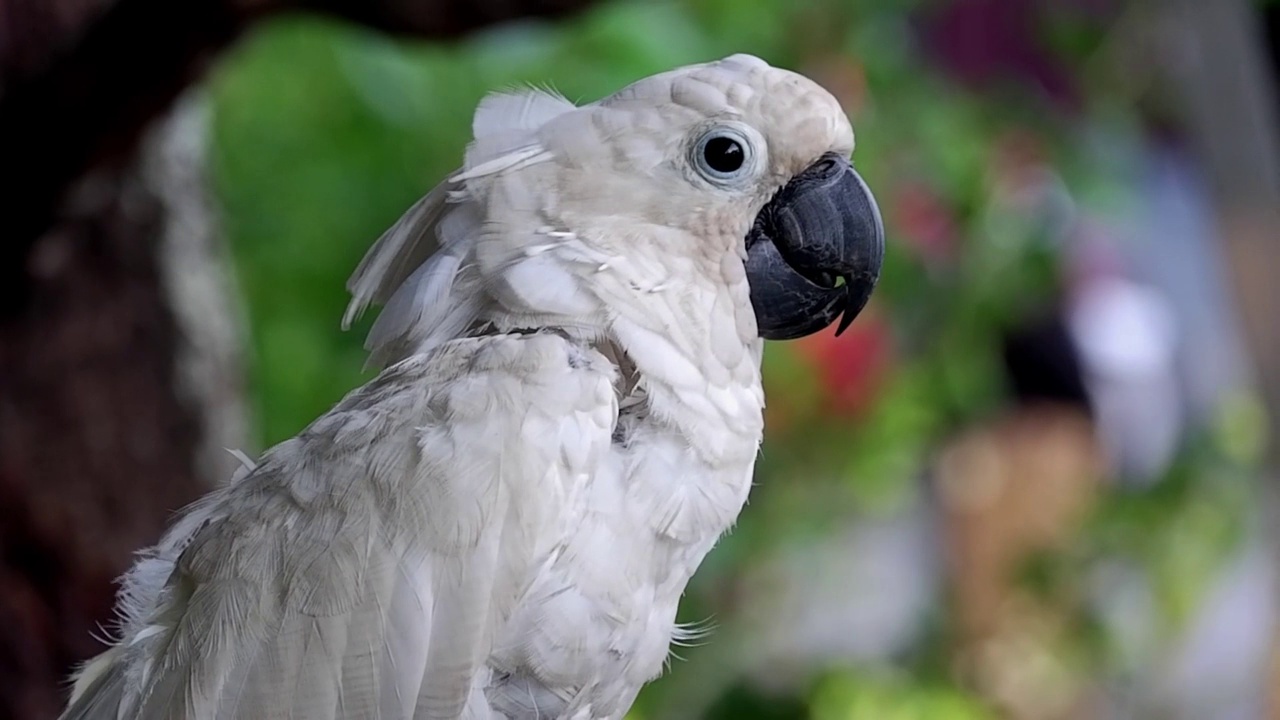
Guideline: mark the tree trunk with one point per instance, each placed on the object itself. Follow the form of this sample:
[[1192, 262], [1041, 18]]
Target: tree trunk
[[100, 431]]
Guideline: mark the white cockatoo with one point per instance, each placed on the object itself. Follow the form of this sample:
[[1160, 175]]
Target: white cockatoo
[[501, 523]]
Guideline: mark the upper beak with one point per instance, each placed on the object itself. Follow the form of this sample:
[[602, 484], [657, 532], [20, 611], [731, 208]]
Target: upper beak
[[814, 252]]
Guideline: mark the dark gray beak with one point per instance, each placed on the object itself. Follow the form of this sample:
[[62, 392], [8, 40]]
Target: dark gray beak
[[814, 252]]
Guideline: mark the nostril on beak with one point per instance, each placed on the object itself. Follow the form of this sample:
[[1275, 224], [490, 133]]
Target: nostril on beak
[[829, 166]]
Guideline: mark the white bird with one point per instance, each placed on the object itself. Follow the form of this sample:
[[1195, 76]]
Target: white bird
[[499, 526]]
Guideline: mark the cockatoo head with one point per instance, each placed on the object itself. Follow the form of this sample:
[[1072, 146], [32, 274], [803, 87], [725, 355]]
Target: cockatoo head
[[758, 162], [725, 183]]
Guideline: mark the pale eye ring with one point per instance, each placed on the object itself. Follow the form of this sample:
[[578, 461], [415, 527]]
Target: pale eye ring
[[723, 155]]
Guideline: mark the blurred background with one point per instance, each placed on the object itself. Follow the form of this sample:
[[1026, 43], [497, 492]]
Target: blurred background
[[1035, 480]]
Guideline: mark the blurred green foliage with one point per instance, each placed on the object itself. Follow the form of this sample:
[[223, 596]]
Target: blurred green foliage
[[324, 133]]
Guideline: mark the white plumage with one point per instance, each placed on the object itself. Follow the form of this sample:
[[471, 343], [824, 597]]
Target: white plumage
[[500, 525]]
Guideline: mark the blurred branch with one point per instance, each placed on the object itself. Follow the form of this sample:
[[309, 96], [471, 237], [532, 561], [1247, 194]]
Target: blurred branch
[[199, 287], [80, 80], [1229, 99], [1228, 91]]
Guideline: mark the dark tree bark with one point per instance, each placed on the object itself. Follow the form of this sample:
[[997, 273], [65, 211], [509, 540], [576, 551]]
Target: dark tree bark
[[102, 435], [96, 446]]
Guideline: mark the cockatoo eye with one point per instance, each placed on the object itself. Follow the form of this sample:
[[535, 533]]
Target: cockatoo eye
[[723, 155]]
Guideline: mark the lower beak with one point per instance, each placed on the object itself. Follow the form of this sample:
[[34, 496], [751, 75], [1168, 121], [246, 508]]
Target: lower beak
[[815, 251]]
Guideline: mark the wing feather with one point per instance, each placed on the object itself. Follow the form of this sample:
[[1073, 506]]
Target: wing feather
[[101, 697], [362, 569]]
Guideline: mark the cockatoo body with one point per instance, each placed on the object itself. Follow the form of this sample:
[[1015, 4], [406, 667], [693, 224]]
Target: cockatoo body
[[499, 526]]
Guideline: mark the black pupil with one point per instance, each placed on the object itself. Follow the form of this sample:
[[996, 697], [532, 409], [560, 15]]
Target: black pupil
[[723, 154]]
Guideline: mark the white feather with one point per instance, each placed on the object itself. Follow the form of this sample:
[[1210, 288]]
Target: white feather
[[505, 121], [424, 305], [395, 255], [496, 527]]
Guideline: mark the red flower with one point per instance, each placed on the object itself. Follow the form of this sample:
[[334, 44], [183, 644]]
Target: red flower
[[849, 368]]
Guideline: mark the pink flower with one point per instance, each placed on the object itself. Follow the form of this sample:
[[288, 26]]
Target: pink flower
[[923, 222]]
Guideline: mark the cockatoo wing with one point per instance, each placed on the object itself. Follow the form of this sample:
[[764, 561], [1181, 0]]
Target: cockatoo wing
[[362, 569]]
